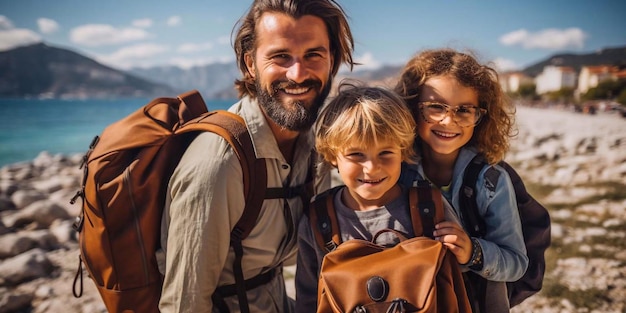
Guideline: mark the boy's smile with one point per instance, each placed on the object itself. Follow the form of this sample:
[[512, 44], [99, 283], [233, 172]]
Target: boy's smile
[[370, 173]]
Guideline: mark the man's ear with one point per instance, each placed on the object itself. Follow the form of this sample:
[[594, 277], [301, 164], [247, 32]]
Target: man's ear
[[250, 64]]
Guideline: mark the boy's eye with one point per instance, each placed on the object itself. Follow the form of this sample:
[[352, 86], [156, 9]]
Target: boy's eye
[[354, 154]]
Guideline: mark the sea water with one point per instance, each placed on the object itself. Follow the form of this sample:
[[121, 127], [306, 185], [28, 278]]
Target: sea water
[[30, 126]]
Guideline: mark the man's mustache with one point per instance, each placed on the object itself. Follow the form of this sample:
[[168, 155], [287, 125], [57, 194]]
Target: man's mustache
[[309, 83]]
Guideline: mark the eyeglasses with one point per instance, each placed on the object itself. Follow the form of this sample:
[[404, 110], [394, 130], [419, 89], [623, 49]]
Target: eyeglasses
[[464, 116]]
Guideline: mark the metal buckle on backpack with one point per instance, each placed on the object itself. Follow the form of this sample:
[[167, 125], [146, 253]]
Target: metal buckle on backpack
[[397, 305], [78, 223], [330, 246]]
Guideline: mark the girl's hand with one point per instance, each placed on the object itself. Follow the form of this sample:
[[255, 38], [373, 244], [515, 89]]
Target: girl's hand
[[456, 239]]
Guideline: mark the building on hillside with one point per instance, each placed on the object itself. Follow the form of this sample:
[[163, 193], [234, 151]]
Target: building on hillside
[[511, 81], [554, 78], [591, 76]]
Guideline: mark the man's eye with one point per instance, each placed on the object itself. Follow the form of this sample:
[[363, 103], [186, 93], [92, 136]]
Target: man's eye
[[314, 55], [280, 56]]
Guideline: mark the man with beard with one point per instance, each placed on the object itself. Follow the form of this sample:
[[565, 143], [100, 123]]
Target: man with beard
[[288, 52]]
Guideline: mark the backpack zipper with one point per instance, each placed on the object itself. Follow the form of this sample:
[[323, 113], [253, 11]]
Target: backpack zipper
[[137, 226]]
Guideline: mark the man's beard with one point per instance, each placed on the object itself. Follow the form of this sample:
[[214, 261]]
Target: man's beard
[[293, 116]]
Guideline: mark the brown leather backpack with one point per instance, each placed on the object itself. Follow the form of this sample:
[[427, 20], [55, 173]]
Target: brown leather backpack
[[126, 173], [417, 275]]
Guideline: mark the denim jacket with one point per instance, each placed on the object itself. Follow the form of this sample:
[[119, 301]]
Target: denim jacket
[[504, 251]]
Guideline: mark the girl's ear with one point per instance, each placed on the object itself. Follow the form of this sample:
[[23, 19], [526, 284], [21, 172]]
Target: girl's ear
[[250, 64]]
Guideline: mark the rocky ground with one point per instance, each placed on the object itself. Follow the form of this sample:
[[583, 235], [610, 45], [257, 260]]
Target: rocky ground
[[574, 164]]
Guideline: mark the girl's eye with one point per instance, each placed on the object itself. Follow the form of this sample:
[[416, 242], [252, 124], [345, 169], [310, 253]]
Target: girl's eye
[[465, 110]]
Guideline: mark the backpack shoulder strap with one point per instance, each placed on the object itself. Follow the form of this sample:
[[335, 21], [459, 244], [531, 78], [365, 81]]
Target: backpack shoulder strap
[[467, 197], [323, 219], [233, 129], [426, 208]]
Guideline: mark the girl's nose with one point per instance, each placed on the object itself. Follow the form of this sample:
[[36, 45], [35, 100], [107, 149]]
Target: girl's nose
[[448, 118]]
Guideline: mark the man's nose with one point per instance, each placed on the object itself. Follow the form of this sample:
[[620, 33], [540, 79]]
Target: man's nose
[[298, 71]]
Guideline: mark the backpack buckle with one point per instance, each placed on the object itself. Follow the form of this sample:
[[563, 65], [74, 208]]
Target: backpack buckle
[[330, 246], [78, 223]]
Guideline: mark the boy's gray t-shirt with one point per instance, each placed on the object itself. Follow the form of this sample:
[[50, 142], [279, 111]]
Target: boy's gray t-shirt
[[365, 224], [394, 215]]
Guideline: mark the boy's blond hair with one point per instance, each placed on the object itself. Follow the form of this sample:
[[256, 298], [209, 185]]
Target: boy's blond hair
[[364, 116]]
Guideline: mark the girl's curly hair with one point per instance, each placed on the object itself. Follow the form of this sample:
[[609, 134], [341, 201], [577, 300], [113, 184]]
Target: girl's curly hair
[[491, 136]]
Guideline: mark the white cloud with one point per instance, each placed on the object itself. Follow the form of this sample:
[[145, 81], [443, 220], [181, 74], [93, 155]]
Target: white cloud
[[101, 34], [11, 37], [5, 23], [503, 65], [194, 47], [47, 26], [514, 37], [133, 56], [174, 20], [142, 23], [367, 61], [551, 38]]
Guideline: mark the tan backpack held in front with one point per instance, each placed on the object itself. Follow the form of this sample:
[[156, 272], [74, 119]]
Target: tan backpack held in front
[[419, 274], [126, 174]]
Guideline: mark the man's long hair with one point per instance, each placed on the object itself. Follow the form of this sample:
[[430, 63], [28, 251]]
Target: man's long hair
[[341, 41]]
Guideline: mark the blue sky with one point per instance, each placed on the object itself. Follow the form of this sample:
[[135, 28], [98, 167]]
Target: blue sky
[[142, 33]]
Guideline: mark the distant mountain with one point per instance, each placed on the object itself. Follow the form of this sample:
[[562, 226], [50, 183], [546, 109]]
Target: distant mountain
[[44, 71], [608, 56], [214, 81]]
